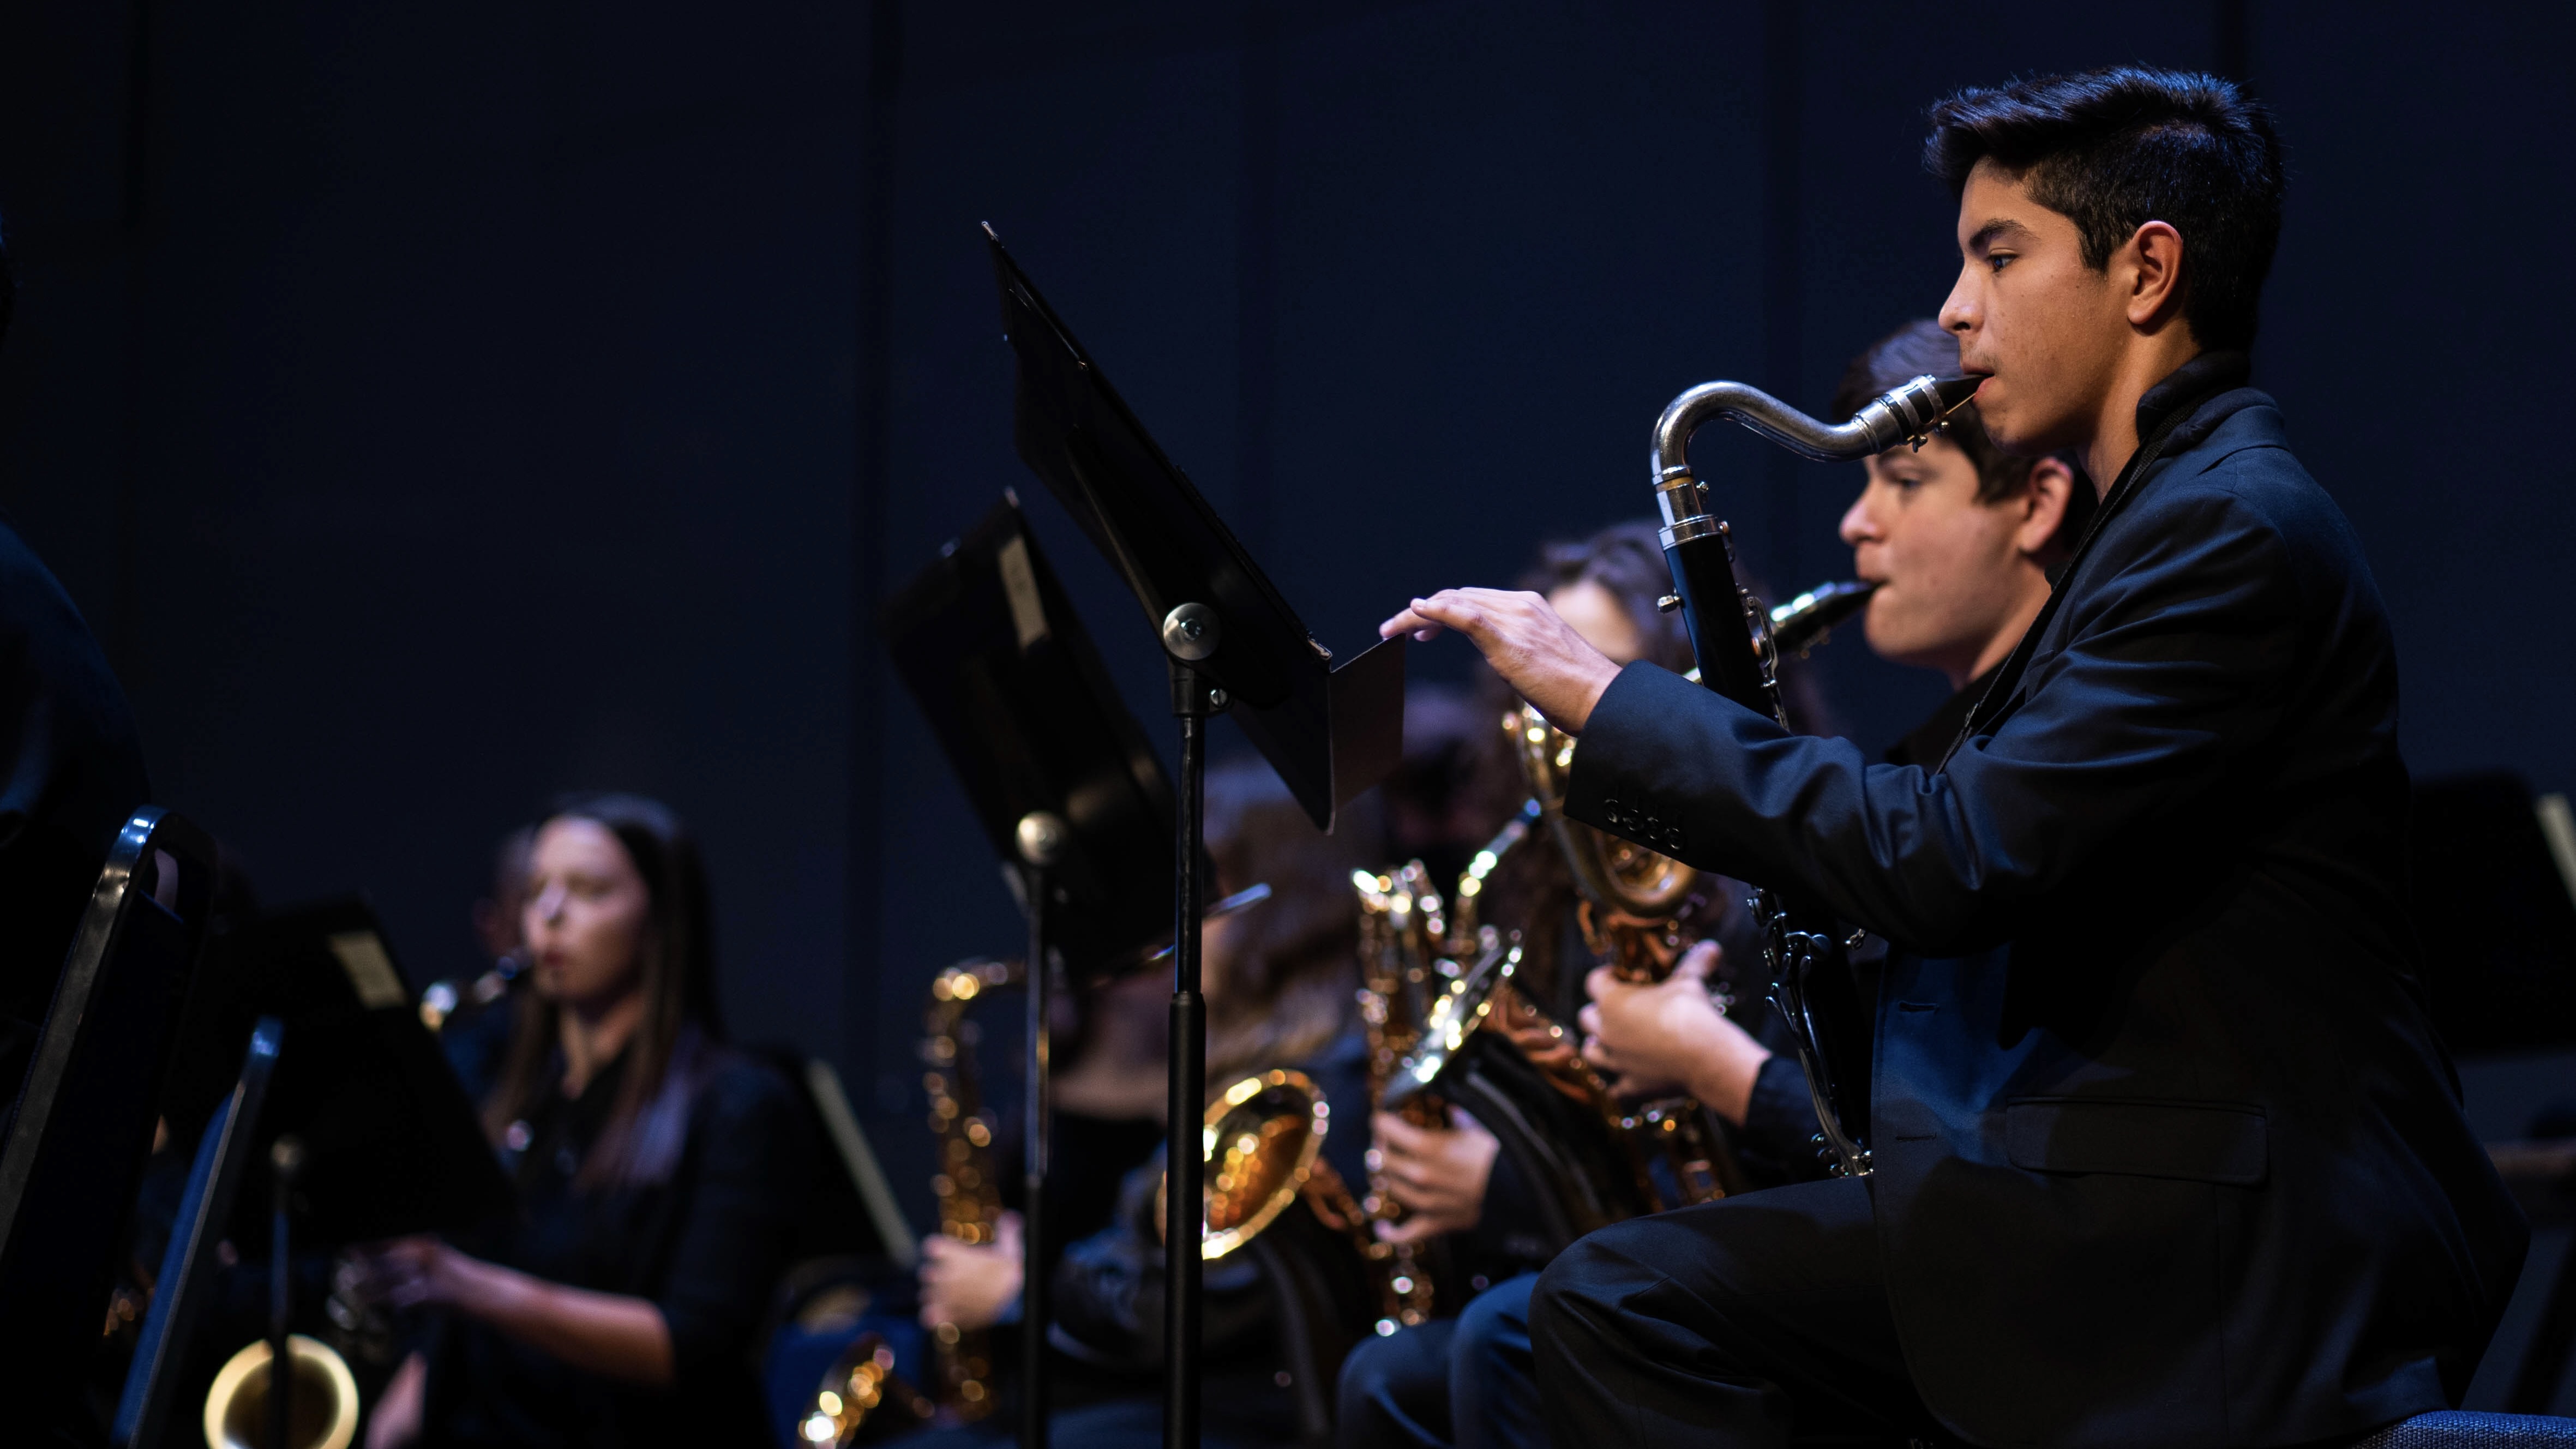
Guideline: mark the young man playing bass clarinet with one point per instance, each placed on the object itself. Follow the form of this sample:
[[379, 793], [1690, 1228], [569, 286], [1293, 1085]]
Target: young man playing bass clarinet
[[1960, 541], [2165, 1150]]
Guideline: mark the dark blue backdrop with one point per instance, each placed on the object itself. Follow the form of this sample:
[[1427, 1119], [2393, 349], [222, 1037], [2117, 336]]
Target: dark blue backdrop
[[435, 410]]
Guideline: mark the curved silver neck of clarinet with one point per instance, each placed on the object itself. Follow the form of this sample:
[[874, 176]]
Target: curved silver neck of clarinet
[[1908, 414]]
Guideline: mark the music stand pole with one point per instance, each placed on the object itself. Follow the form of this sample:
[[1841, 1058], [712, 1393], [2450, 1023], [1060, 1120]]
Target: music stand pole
[[1330, 729], [1191, 628], [1041, 841], [285, 1162]]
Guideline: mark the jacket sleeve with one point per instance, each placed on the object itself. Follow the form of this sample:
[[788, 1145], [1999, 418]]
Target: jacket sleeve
[[742, 1179], [2177, 664], [1109, 1289]]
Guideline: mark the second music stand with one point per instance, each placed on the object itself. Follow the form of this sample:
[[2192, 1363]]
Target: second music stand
[[1232, 643], [1069, 793]]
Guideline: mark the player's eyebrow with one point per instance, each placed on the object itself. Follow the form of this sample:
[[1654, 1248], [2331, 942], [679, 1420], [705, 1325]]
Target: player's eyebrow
[[2001, 226]]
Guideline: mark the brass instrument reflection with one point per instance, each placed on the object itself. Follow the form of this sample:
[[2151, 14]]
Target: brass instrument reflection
[[1404, 950], [967, 1187], [1639, 911]]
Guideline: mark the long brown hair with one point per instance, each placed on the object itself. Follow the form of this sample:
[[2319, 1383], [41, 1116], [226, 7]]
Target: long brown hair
[[667, 1055], [1292, 964]]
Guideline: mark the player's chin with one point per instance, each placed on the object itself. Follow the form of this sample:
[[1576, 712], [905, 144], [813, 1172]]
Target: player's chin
[[2010, 422]]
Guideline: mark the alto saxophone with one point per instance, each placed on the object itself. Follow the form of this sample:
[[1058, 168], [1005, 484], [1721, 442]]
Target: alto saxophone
[[1404, 946], [969, 1191], [1417, 1005], [1639, 911], [861, 1399]]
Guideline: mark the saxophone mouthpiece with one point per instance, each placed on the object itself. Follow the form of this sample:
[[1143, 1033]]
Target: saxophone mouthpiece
[[1805, 621]]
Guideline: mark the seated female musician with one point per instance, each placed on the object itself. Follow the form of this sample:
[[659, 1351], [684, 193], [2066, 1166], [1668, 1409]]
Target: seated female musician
[[658, 1176], [1398, 1390], [1280, 978]]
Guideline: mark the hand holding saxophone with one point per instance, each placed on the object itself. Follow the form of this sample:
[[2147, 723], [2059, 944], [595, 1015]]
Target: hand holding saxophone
[[1527, 642], [1669, 1037], [970, 1285], [1438, 1173], [615, 1335]]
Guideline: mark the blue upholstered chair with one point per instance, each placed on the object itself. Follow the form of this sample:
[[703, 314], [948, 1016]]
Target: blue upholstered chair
[[2475, 1431]]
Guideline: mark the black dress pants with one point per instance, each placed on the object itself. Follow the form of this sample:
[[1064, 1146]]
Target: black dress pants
[[1759, 1320]]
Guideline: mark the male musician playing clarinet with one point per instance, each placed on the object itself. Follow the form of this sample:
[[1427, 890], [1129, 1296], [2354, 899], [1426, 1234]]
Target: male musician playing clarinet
[[1960, 541], [2165, 1151]]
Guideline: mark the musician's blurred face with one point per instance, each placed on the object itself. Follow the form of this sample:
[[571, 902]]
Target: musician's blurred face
[[1596, 613], [586, 915], [1950, 569], [2046, 331]]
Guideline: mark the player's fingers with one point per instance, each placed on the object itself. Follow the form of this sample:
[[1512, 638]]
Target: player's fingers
[[1698, 961], [1408, 622]]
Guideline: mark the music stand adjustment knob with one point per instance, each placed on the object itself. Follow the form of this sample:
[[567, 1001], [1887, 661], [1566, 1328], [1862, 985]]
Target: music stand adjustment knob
[[1190, 633], [1041, 838]]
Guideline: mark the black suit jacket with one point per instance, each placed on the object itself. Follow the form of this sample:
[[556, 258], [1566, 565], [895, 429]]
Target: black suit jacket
[[71, 772], [2167, 1151]]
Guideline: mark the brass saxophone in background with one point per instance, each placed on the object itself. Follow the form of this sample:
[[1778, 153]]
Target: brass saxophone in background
[[1428, 970], [1405, 940], [1263, 1138], [968, 1189], [861, 1399], [1639, 911]]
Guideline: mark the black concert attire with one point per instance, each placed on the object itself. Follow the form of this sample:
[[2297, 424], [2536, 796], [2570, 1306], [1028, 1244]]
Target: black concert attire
[[706, 1241], [2166, 1150], [71, 772]]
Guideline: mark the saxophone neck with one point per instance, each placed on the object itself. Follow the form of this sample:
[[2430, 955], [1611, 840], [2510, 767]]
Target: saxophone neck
[[1907, 414]]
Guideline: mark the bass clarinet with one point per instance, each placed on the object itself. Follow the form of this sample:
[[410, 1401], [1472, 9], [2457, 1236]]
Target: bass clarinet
[[1730, 632]]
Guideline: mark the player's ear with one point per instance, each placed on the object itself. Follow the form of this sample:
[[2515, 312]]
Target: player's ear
[[2151, 266], [2043, 505]]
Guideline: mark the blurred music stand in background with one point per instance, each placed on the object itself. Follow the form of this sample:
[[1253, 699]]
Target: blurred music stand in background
[[386, 1142], [2495, 901], [2495, 904], [1233, 644], [1070, 795], [153, 1381], [83, 1125], [393, 1146]]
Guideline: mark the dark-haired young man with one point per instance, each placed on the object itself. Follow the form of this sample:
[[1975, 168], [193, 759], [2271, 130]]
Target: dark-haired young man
[[2165, 1150], [1960, 540]]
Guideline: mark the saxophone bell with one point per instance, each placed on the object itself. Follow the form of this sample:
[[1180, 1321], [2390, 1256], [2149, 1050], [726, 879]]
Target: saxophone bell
[[1262, 1138], [325, 1405]]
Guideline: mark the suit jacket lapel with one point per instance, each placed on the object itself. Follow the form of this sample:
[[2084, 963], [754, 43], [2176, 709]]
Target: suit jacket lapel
[[2201, 381]]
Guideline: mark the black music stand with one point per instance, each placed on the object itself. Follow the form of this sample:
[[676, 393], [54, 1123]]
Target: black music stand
[[1069, 793], [76, 1145], [187, 1267], [392, 1145], [340, 1060], [2482, 852], [1232, 643]]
